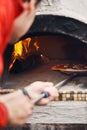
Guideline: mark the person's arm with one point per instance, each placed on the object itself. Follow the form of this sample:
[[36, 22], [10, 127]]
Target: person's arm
[[20, 107]]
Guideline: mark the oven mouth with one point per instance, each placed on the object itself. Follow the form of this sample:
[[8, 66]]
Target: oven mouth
[[56, 49], [58, 26], [69, 47], [38, 50]]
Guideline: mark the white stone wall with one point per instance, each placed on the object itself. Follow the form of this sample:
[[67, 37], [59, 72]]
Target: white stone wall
[[76, 9]]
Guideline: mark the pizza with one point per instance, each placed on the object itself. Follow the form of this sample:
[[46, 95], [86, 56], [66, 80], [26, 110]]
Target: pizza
[[70, 67]]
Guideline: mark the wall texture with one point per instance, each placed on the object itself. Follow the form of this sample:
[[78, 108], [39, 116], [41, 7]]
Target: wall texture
[[70, 8]]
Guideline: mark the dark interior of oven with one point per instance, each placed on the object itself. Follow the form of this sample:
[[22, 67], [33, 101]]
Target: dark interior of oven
[[53, 49], [43, 49]]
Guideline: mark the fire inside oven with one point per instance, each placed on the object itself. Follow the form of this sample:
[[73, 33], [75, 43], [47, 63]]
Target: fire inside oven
[[69, 54], [48, 58]]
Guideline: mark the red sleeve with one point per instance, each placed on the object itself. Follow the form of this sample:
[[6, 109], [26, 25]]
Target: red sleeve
[[3, 115], [1, 59], [9, 10]]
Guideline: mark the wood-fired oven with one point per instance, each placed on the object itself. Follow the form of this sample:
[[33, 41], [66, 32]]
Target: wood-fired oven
[[54, 49]]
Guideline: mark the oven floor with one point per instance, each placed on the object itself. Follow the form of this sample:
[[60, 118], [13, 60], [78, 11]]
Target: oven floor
[[44, 73]]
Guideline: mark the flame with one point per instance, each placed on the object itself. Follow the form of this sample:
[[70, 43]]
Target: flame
[[36, 46], [21, 50], [18, 49]]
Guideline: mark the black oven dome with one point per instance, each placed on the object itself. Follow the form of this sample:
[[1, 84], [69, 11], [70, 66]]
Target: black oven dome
[[61, 17]]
